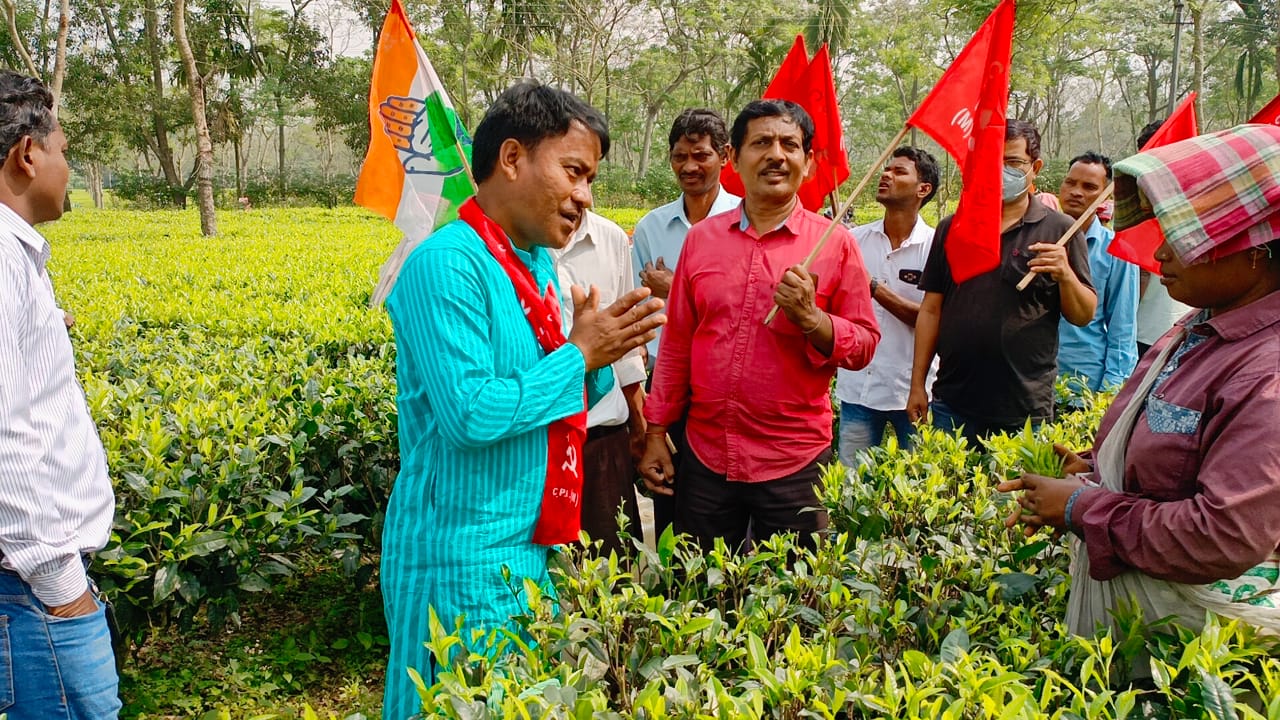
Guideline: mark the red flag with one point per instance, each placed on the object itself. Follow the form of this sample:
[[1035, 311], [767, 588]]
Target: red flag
[[1269, 115], [1139, 243], [965, 114], [949, 112], [789, 74], [817, 94], [810, 85], [790, 71]]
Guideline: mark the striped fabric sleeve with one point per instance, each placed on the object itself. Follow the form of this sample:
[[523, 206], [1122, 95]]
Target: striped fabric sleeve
[[439, 311], [33, 538]]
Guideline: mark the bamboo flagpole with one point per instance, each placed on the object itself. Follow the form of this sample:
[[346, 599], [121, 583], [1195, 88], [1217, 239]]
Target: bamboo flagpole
[[844, 207], [1085, 218]]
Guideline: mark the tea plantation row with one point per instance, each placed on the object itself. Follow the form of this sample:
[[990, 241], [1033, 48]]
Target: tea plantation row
[[246, 397]]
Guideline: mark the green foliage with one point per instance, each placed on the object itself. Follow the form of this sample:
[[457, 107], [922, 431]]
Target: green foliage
[[918, 603], [244, 393]]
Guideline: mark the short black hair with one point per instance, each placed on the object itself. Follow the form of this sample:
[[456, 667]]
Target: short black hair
[[1092, 158], [697, 123], [1149, 130], [772, 108], [926, 168], [530, 112], [26, 109], [1022, 129]]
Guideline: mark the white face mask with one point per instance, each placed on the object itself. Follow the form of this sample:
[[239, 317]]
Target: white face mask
[[1015, 183]]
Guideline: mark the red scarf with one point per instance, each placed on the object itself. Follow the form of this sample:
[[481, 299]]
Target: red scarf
[[560, 518]]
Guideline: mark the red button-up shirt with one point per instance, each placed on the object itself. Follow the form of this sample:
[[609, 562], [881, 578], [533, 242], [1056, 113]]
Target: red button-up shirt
[[757, 397]]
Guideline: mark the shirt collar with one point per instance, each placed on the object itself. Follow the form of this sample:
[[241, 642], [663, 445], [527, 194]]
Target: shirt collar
[[740, 220], [724, 202], [582, 233], [1242, 321], [1036, 211], [920, 232], [37, 246]]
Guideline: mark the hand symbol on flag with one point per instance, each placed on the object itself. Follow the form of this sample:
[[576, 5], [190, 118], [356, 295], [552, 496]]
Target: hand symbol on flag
[[405, 122]]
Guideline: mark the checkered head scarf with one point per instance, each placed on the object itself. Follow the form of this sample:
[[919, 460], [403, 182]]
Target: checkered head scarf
[[1213, 195]]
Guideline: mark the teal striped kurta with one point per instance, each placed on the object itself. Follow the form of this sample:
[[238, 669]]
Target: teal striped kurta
[[476, 394]]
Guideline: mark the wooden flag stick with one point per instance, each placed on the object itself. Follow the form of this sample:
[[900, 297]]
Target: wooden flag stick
[[1085, 218], [876, 169]]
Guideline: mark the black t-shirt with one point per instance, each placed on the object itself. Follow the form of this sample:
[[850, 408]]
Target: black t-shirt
[[998, 346]]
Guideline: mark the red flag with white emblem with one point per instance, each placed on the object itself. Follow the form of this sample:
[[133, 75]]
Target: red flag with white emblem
[[965, 114]]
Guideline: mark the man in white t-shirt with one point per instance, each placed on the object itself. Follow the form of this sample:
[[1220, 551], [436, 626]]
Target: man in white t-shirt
[[894, 250]]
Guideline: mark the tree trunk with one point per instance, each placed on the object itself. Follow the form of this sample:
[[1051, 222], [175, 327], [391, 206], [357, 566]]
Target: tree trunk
[[164, 152], [235, 144], [280, 142], [11, 16], [60, 54], [1154, 106], [204, 144], [650, 119], [1197, 52], [93, 174]]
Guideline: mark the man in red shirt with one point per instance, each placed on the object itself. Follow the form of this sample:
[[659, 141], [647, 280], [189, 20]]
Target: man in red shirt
[[757, 396]]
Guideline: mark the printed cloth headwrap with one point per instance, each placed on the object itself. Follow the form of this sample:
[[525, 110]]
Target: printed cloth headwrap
[[560, 518], [1213, 195]]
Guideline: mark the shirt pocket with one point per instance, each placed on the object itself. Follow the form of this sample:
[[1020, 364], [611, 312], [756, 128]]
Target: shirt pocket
[[1166, 418], [1015, 266]]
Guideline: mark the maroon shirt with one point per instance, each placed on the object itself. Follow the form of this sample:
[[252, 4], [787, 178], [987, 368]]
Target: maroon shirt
[[758, 397], [1202, 469]]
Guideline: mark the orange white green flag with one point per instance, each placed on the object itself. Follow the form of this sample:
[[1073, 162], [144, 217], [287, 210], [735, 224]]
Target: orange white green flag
[[418, 167]]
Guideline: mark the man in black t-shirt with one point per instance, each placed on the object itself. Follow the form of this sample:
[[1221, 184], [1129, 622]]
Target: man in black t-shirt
[[998, 346]]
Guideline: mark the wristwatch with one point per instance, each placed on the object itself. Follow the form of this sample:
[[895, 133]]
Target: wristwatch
[[874, 284]]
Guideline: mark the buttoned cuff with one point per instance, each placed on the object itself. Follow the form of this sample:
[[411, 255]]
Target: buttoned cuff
[[630, 370], [63, 585]]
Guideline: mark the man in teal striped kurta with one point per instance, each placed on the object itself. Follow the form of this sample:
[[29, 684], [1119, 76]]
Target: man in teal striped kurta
[[477, 392]]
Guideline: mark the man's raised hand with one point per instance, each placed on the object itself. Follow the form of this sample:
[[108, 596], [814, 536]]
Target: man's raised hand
[[604, 335]]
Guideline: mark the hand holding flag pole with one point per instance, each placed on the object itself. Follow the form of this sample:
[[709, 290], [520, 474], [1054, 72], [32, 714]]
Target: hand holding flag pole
[[876, 168], [1085, 218]]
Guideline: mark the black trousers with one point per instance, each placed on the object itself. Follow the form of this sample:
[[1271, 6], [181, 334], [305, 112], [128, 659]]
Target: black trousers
[[608, 481], [709, 506]]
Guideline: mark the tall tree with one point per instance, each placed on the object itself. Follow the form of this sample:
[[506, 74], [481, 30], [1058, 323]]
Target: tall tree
[[204, 144]]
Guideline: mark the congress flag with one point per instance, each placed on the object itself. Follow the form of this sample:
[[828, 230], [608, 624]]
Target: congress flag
[[1138, 244], [965, 114], [417, 170]]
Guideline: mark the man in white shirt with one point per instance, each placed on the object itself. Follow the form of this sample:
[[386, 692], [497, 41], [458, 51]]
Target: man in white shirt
[[894, 250], [599, 254], [698, 147], [56, 502]]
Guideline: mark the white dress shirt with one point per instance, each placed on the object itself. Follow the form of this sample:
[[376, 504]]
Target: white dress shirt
[[885, 383], [599, 254], [56, 501]]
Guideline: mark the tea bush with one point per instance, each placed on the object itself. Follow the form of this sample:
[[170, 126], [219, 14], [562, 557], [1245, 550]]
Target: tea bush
[[243, 390], [919, 603]]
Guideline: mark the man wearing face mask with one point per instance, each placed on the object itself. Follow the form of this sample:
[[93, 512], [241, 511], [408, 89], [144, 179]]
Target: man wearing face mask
[[998, 346]]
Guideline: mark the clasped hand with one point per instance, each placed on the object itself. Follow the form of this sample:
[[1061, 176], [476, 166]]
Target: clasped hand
[[604, 335], [796, 297]]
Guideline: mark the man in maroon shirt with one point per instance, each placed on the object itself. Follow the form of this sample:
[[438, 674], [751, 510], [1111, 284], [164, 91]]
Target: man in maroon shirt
[[757, 396]]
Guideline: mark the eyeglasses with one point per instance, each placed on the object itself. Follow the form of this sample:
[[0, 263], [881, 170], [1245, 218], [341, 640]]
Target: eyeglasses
[[1018, 163]]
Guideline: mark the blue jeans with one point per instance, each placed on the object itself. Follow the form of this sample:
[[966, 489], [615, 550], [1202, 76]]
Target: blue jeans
[[53, 668], [861, 428], [944, 418]]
